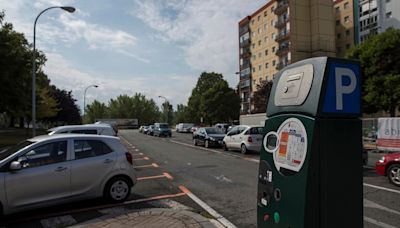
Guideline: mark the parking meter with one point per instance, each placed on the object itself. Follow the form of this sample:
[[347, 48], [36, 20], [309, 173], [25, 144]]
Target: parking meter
[[310, 172]]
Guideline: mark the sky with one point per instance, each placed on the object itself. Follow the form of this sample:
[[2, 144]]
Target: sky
[[153, 47]]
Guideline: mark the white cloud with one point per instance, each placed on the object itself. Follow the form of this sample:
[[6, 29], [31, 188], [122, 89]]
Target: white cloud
[[63, 74], [206, 30]]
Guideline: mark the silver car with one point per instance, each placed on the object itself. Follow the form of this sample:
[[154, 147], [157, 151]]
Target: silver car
[[244, 138], [48, 170]]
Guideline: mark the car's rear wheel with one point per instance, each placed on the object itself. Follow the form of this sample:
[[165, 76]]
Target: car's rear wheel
[[243, 149], [393, 174], [118, 189], [206, 144], [195, 142], [224, 146]]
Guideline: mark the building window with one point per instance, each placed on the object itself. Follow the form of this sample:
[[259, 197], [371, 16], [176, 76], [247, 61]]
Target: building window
[[347, 46], [253, 45], [265, 39], [388, 14], [272, 9], [347, 32], [254, 57], [273, 63], [259, 67], [252, 22], [272, 22], [338, 36], [266, 52], [273, 36], [337, 10], [254, 69], [346, 5], [346, 19], [259, 30], [259, 43], [265, 13], [273, 49], [259, 54], [337, 22], [265, 27], [266, 66], [258, 18]]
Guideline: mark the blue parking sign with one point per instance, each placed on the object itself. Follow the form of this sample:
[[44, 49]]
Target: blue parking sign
[[343, 92]]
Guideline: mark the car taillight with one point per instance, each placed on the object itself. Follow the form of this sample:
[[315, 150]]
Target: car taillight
[[129, 157], [249, 139]]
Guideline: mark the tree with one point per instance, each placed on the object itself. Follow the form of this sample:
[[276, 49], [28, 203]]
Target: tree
[[182, 114], [261, 96], [167, 114], [379, 57], [68, 110], [96, 110]]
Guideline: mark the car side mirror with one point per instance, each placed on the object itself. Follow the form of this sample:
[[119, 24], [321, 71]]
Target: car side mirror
[[15, 166]]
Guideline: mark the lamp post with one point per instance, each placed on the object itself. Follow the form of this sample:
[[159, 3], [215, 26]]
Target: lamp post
[[66, 8], [166, 106], [84, 98]]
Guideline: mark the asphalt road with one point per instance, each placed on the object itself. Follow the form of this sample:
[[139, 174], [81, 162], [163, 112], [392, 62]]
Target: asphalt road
[[227, 180]]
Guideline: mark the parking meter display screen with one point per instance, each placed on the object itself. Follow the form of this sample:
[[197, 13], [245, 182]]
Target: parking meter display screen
[[292, 149]]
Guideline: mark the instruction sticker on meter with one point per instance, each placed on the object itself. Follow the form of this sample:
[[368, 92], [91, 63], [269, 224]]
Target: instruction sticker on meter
[[292, 148]]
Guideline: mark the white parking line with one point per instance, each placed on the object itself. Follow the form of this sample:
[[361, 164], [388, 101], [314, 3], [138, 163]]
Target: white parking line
[[378, 223], [372, 204], [382, 188], [211, 211], [216, 151]]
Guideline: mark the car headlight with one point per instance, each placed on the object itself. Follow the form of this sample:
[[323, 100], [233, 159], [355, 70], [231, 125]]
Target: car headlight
[[382, 160], [213, 139]]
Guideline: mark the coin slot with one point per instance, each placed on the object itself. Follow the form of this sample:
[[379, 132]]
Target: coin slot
[[271, 142]]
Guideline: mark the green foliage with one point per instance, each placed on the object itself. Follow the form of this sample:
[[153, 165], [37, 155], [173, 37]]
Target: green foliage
[[379, 57], [96, 110], [212, 100], [182, 114], [167, 115], [69, 112], [261, 96]]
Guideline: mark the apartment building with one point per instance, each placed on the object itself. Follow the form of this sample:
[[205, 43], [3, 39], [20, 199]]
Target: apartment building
[[279, 33], [375, 16], [346, 25]]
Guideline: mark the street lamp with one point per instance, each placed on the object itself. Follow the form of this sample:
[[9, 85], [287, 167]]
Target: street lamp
[[166, 106], [66, 8], [84, 98]]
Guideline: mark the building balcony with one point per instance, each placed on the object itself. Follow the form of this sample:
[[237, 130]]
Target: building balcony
[[245, 84], [281, 65], [281, 8], [245, 100], [245, 43], [282, 50], [281, 23], [282, 36], [243, 29]]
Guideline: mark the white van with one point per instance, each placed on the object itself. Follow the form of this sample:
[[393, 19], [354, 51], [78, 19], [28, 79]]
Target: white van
[[93, 129]]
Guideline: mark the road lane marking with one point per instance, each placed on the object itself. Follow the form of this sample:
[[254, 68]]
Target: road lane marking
[[143, 158], [152, 165], [378, 223], [382, 188], [216, 151], [211, 211], [372, 204]]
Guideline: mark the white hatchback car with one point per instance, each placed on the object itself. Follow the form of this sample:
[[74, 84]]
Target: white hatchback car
[[48, 170], [93, 129], [244, 138]]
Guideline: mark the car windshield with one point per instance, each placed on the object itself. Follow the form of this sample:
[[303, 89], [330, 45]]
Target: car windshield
[[213, 131], [256, 130], [11, 150], [163, 125]]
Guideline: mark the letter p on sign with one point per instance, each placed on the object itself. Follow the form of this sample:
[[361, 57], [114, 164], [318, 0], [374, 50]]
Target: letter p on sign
[[341, 89]]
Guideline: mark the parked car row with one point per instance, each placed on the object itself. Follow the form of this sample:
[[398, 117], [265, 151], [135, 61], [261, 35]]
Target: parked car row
[[184, 127], [157, 129], [243, 137], [70, 163]]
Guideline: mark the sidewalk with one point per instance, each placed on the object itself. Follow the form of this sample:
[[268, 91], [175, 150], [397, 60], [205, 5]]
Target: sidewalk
[[151, 218]]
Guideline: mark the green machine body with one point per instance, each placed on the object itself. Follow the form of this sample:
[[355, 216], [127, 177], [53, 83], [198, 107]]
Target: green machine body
[[310, 172]]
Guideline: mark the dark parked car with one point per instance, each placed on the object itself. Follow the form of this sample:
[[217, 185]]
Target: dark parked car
[[150, 131], [389, 165], [162, 129], [208, 136]]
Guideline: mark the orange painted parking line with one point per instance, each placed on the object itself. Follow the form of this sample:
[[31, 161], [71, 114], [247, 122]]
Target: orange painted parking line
[[147, 166], [151, 177], [169, 177], [155, 198], [184, 189], [138, 159]]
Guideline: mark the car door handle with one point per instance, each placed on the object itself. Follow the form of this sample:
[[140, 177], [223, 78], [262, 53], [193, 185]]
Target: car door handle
[[107, 161], [60, 169]]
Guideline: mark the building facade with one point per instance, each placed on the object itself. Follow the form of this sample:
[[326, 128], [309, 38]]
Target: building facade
[[279, 33], [375, 16], [346, 21]]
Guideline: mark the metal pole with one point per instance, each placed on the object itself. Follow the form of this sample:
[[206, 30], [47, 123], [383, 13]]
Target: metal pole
[[69, 9], [84, 98]]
